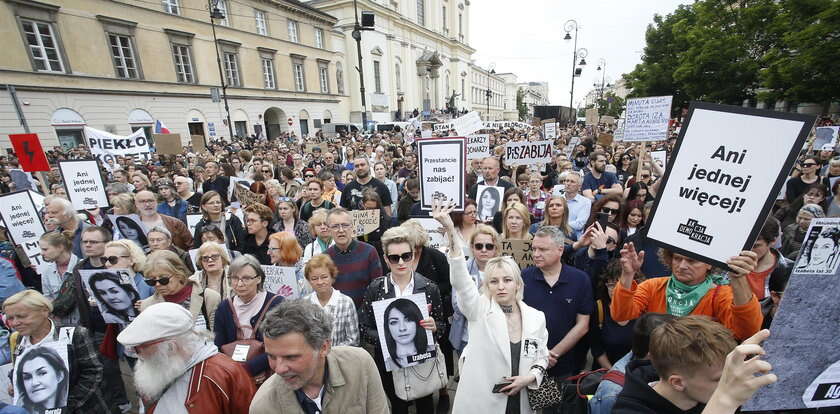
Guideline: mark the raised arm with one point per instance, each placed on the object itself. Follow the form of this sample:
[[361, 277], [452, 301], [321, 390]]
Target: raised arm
[[468, 296]]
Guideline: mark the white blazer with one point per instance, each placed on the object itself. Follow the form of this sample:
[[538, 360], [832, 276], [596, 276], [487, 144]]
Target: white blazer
[[486, 359]]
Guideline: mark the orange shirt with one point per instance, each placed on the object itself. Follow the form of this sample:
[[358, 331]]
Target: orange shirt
[[649, 296]]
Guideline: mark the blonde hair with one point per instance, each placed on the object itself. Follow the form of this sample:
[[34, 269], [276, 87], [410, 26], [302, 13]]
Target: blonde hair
[[396, 235], [318, 218], [488, 230], [320, 261], [416, 232], [31, 298], [166, 261], [143, 178], [124, 201], [504, 264], [208, 246], [526, 219], [138, 259]]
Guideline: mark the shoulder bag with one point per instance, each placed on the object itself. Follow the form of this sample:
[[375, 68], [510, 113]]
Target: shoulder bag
[[254, 346], [411, 383]]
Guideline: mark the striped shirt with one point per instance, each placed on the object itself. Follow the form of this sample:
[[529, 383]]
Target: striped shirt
[[357, 267]]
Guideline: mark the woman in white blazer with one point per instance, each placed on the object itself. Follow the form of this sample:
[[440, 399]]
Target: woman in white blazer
[[507, 337]]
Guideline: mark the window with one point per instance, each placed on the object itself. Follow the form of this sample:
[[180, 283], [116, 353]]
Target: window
[[377, 77], [339, 79], [319, 38], [183, 63], [397, 77], [324, 78], [443, 20], [268, 73], [262, 27], [123, 53], [43, 46], [421, 12], [298, 73], [231, 69], [222, 6], [293, 31], [171, 6]]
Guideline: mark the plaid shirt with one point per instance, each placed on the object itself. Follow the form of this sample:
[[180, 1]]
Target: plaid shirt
[[345, 321], [533, 205]]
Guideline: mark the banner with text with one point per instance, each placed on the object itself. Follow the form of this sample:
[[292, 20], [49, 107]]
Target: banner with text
[[528, 153], [442, 166], [21, 217], [647, 118], [281, 280], [84, 184], [105, 145], [550, 130], [478, 146], [723, 177]]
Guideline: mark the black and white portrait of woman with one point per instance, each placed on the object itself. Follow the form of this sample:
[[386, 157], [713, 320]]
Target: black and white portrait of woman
[[821, 249], [130, 228], [114, 292], [489, 201], [41, 378], [404, 342]]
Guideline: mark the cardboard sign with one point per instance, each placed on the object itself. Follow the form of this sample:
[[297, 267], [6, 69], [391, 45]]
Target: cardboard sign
[[528, 153], [605, 139], [168, 143], [550, 130], [467, 124], [442, 165], [29, 152], [106, 146], [725, 172], [365, 221], [398, 318], [198, 143], [282, 281], [519, 250], [84, 184], [803, 345], [647, 118], [21, 218], [478, 146], [592, 116]]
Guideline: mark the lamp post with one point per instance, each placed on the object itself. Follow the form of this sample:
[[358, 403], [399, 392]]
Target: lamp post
[[357, 35], [215, 13], [569, 26], [489, 94]]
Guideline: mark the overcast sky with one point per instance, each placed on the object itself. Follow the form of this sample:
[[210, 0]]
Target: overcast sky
[[526, 37]]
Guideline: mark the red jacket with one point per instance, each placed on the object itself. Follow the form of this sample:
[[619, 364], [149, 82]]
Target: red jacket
[[218, 385]]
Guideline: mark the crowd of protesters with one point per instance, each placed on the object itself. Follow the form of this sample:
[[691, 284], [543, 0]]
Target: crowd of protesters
[[205, 335]]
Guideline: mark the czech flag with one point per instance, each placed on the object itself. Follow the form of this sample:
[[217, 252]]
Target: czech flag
[[160, 128]]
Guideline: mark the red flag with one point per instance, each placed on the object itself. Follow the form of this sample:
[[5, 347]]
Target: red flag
[[29, 152]]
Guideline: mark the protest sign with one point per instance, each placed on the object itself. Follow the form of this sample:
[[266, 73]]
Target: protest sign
[[592, 116], [442, 165], [436, 233], [41, 377], [33, 252], [365, 221], [526, 153], [114, 292], [467, 124], [106, 146], [168, 143], [803, 347], [489, 200], [84, 184], [29, 152], [478, 146], [723, 177], [130, 227], [826, 136], [660, 157], [647, 118], [198, 142], [605, 139], [281, 280], [609, 120], [21, 218], [520, 251], [192, 221], [618, 136], [397, 321], [550, 129]]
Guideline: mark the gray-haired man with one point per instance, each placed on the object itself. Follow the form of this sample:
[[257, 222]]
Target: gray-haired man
[[310, 375]]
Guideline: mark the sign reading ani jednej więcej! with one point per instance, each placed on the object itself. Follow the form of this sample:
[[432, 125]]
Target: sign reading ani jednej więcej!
[[726, 170]]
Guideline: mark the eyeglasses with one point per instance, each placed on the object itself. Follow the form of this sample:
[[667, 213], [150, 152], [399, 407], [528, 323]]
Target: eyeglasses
[[152, 201], [266, 171], [162, 280], [470, 213], [610, 211], [92, 241], [244, 280], [395, 258], [340, 226], [113, 259], [645, 175], [211, 258], [484, 246]]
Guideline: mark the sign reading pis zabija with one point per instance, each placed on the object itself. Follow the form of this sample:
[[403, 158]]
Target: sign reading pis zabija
[[723, 177], [442, 167], [528, 153]]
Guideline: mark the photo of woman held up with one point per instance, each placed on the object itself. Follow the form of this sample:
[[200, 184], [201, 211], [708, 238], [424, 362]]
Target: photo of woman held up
[[404, 342], [821, 249], [114, 292], [130, 227], [41, 378]]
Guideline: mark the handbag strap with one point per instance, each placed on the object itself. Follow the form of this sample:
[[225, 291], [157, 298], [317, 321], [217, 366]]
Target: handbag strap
[[239, 334], [262, 314]]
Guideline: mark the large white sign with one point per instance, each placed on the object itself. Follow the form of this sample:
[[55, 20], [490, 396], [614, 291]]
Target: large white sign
[[647, 118], [550, 130], [83, 183], [722, 179], [105, 145], [467, 124], [478, 146], [21, 217], [442, 166], [528, 153]]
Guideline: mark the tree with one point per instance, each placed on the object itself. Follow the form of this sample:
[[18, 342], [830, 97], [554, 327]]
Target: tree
[[611, 105], [520, 104]]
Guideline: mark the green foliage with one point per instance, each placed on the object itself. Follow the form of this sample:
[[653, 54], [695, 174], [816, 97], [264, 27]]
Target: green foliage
[[611, 105]]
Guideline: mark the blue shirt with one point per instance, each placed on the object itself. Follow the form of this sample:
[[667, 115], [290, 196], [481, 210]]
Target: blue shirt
[[606, 182], [571, 295], [579, 210]]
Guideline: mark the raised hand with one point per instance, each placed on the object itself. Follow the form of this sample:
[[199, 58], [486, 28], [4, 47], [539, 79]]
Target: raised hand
[[743, 374], [742, 264], [441, 211], [631, 264]]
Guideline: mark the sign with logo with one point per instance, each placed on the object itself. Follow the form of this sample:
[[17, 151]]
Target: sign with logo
[[442, 165], [728, 165], [84, 184], [105, 145], [478, 146], [365, 221], [21, 218], [647, 118], [528, 153], [29, 152]]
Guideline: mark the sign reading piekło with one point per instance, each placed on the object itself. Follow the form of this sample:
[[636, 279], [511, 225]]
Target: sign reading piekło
[[726, 170]]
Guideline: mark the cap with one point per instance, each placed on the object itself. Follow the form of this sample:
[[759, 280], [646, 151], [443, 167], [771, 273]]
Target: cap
[[827, 147], [165, 182], [159, 321]]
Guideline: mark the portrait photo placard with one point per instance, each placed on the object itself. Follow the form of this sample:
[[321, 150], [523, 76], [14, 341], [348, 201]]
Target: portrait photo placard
[[441, 174], [726, 169], [84, 184], [820, 252], [114, 292], [41, 378], [488, 201], [403, 341], [21, 218], [129, 226]]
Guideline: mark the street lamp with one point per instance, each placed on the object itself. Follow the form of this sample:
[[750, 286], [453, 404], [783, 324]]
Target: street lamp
[[602, 66], [569, 26], [367, 19], [489, 94], [215, 13]]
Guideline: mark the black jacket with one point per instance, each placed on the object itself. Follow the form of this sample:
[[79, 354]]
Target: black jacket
[[638, 397], [234, 232], [434, 264]]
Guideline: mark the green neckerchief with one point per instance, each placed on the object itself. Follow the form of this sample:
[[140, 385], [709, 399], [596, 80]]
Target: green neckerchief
[[681, 299], [323, 245]]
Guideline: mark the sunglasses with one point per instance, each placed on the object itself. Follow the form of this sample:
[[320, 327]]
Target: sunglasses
[[162, 280], [113, 259], [308, 175], [484, 246], [609, 210], [808, 164], [395, 258]]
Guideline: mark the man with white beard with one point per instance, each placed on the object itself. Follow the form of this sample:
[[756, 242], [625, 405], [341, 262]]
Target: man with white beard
[[179, 371]]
